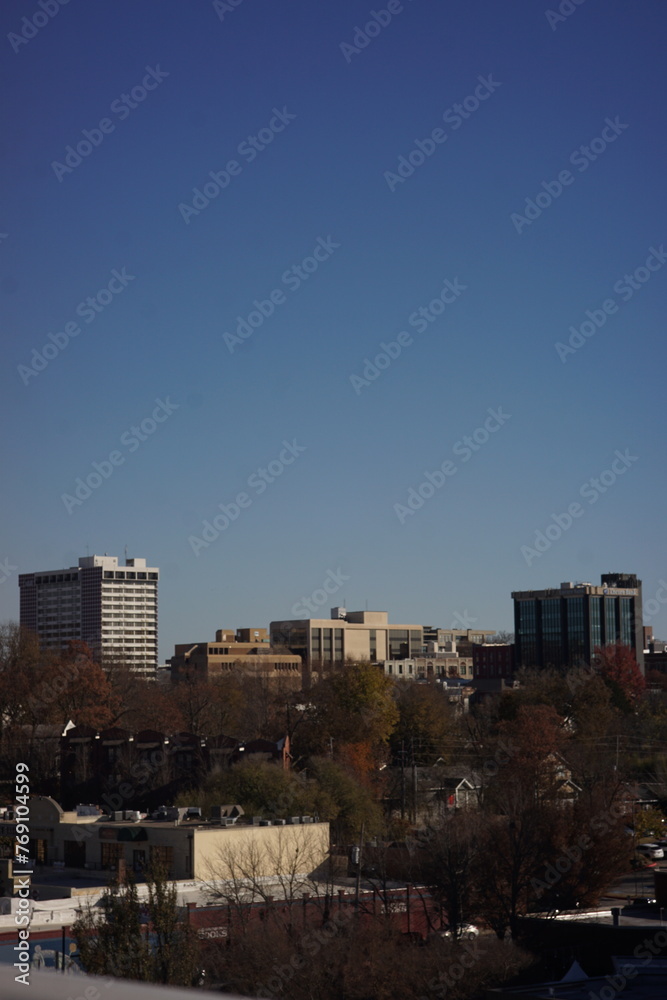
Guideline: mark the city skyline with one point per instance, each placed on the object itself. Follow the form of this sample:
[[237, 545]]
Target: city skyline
[[125, 575], [372, 296]]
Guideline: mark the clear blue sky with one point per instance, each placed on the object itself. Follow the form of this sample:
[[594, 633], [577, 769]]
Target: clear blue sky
[[329, 174]]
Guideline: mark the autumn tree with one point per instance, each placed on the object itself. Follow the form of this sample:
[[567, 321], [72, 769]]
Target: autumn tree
[[156, 708], [425, 721], [19, 670], [261, 788], [618, 668], [552, 844], [588, 850], [546, 686], [521, 759], [211, 706], [78, 689], [343, 801], [351, 707], [517, 763]]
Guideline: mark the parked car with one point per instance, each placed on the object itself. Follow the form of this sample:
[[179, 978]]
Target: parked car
[[651, 851], [465, 931]]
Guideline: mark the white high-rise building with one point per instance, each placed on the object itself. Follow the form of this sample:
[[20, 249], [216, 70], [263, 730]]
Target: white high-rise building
[[112, 608]]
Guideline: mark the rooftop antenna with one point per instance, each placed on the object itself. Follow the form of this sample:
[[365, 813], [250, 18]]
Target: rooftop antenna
[[126, 554], [87, 548]]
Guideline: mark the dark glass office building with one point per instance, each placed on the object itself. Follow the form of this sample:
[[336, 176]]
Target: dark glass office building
[[561, 627]]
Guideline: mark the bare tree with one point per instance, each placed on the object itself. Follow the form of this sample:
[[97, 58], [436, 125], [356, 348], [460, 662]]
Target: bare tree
[[281, 866]]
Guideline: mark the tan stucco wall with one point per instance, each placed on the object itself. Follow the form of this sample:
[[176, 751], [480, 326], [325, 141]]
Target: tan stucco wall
[[261, 851]]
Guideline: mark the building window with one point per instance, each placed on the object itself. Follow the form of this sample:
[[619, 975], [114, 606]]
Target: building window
[[527, 633], [398, 644], [611, 629], [111, 854], [576, 634], [552, 652], [626, 624], [595, 605], [164, 857]]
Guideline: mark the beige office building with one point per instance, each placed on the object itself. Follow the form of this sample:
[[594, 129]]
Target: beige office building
[[246, 650], [356, 635], [85, 842]]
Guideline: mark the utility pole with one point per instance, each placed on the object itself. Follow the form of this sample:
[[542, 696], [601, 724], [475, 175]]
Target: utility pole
[[414, 781], [402, 779], [361, 851]]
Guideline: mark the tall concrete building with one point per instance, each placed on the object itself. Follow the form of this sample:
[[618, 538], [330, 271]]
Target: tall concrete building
[[112, 608], [561, 627]]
